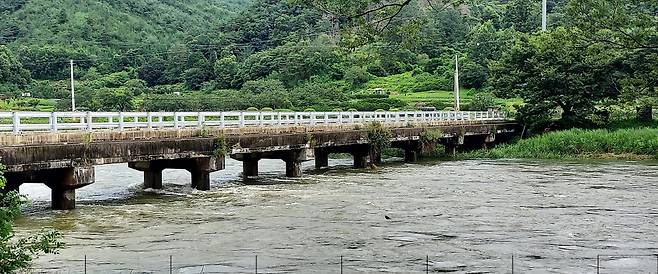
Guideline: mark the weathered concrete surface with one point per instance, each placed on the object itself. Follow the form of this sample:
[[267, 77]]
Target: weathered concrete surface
[[58, 159], [63, 182], [135, 147], [199, 168]]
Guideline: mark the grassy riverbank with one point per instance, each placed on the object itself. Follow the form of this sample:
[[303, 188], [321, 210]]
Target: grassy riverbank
[[630, 143]]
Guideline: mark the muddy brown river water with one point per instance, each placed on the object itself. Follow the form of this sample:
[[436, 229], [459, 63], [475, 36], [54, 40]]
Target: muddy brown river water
[[467, 216]]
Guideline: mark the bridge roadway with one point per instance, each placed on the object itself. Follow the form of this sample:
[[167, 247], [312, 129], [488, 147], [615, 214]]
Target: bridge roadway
[[61, 149]]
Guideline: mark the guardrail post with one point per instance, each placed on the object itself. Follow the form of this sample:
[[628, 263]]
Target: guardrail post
[[326, 118], [260, 119], [16, 122], [221, 119], [312, 118], [175, 119], [149, 120], [279, 117], [241, 122], [121, 125], [199, 120], [89, 121], [53, 121]]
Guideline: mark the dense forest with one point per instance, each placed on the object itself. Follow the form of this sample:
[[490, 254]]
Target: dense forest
[[597, 61]]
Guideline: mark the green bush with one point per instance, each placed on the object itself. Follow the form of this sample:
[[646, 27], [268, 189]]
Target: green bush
[[482, 101], [357, 76], [252, 109], [309, 110], [267, 109]]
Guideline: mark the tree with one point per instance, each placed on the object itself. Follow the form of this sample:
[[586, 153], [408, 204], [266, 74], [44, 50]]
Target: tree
[[268, 93], [554, 71], [629, 27], [482, 101], [356, 77], [12, 73], [226, 70], [17, 253], [523, 15]]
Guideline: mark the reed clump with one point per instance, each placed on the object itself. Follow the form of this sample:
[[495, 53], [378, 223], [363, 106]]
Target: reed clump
[[631, 143]]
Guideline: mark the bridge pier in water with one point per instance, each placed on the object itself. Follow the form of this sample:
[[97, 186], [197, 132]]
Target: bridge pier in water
[[62, 182], [293, 159], [199, 168]]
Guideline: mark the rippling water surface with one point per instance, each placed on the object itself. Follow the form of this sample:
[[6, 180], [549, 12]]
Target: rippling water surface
[[468, 216]]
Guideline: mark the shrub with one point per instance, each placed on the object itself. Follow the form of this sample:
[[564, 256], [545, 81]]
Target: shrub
[[252, 109], [482, 101], [357, 76]]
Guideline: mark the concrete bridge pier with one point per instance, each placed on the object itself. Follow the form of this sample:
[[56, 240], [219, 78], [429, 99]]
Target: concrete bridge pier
[[62, 181], [250, 167], [321, 158], [293, 159], [199, 168], [360, 159], [451, 144], [412, 150]]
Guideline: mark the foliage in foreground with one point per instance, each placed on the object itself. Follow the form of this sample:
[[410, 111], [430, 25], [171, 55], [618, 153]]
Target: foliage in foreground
[[634, 143], [17, 253]]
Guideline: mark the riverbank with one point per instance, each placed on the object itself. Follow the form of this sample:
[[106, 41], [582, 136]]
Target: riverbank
[[621, 144]]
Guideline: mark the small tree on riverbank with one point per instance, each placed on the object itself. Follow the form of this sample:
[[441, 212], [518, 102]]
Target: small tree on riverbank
[[17, 253]]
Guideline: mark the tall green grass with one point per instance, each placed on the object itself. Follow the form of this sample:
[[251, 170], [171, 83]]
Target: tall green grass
[[632, 143]]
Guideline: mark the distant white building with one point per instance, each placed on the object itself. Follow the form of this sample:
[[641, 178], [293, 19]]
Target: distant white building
[[379, 91]]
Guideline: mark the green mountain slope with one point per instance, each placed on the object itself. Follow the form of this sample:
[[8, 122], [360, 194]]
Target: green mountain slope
[[110, 23]]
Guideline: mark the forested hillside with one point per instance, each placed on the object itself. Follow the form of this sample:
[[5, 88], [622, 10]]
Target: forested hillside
[[331, 54]]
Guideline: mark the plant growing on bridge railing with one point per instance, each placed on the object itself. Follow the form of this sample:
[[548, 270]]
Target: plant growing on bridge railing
[[431, 135], [430, 138], [378, 135], [221, 147], [17, 253], [203, 132], [379, 138], [309, 137], [86, 142]]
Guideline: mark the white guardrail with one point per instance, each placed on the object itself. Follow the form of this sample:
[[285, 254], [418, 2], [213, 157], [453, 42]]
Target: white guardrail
[[18, 122]]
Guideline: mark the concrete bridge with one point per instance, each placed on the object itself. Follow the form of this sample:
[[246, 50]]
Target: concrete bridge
[[61, 149]]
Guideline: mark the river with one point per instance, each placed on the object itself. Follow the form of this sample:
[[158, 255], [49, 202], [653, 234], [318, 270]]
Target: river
[[467, 216]]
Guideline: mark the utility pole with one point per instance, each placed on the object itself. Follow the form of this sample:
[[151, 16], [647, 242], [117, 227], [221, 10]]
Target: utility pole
[[72, 89], [544, 12], [456, 89]]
